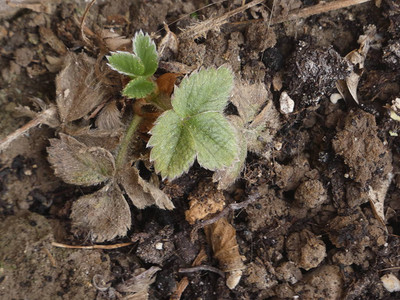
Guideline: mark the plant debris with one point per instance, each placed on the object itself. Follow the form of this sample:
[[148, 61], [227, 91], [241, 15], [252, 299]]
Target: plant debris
[[222, 237]]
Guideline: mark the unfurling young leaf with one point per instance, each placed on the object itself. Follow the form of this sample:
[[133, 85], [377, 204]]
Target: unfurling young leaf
[[145, 49], [139, 65], [195, 126], [138, 88]]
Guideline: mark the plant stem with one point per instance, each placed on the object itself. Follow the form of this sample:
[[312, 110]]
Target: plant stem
[[121, 156]]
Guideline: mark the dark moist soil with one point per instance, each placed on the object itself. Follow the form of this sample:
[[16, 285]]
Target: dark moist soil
[[312, 233]]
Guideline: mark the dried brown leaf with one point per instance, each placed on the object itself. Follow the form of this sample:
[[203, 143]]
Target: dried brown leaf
[[102, 215], [48, 36], [249, 98], [114, 41], [377, 194], [168, 45], [107, 139], [109, 118], [141, 192], [222, 237], [79, 164], [138, 285], [77, 88], [256, 126], [356, 58]]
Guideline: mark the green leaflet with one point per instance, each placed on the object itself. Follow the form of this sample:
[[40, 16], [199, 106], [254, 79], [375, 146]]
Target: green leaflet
[[173, 146], [215, 140], [126, 63], [145, 49], [195, 127], [138, 88], [206, 90]]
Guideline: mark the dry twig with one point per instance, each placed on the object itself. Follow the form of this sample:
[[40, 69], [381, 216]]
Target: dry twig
[[319, 8], [105, 247], [202, 268], [215, 23], [223, 213]]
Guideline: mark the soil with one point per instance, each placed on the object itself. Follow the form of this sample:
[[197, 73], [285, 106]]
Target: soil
[[324, 222]]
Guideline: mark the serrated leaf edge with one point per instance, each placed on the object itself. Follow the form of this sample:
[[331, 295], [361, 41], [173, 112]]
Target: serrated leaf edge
[[119, 71]]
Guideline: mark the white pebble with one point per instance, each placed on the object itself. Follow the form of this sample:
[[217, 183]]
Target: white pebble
[[391, 283], [286, 103]]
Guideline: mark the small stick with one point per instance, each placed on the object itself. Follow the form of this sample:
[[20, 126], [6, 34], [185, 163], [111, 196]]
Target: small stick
[[42, 118], [202, 268], [390, 269], [320, 8], [82, 25], [182, 285], [116, 246], [51, 257], [215, 23], [223, 213]]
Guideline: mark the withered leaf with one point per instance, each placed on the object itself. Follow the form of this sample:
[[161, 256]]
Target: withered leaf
[[109, 118], [78, 91], [257, 125], [356, 58], [377, 194], [79, 164], [138, 285], [168, 45], [249, 98], [222, 237], [107, 139], [102, 215], [141, 192]]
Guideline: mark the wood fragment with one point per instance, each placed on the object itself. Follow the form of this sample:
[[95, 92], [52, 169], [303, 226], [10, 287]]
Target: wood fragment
[[202, 268], [319, 8], [48, 117], [51, 257], [182, 285], [105, 247], [82, 23], [223, 213], [215, 23]]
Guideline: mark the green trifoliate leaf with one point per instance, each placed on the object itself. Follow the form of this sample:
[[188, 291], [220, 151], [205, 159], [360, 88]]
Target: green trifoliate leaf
[[138, 88], [215, 140], [206, 90], [173, 145], [145, 49], [126, 63]]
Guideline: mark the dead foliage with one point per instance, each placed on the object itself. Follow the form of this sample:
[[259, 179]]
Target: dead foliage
[[222, 237]]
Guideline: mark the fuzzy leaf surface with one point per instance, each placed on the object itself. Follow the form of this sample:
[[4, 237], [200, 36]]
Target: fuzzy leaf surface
[[141, 192], [145, 49], [227, 176], [77, 88], [173, 145], [138, 88], [103, 215], [79, 164], [215, 140], [206, 90], [126, 63]]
